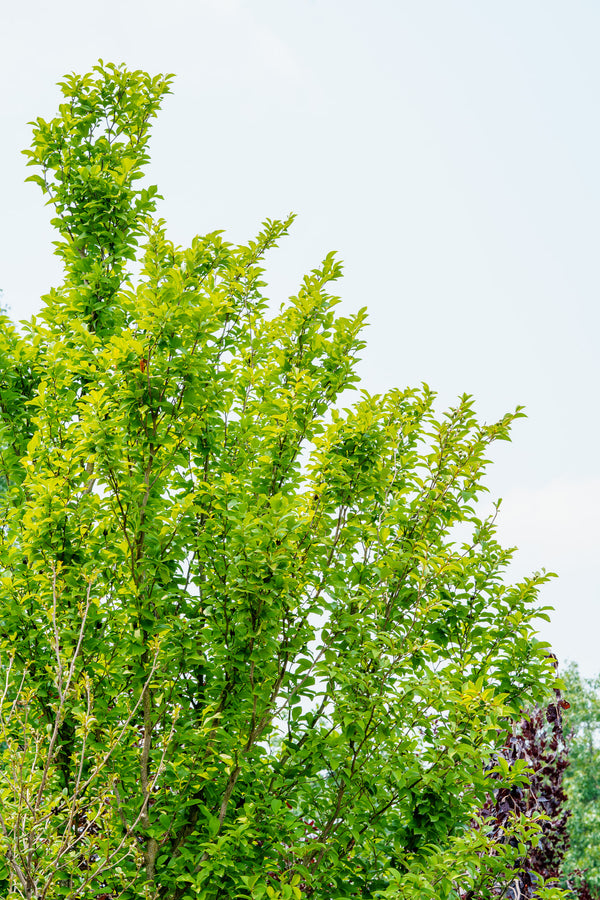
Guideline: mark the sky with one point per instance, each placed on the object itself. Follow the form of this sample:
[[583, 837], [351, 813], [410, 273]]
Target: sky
[[448, 151]]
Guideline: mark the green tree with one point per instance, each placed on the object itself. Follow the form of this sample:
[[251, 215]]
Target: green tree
[[582, 779], [244, 652]]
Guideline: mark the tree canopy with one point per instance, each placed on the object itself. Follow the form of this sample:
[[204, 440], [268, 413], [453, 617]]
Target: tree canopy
[[582, 780], [256, 641]]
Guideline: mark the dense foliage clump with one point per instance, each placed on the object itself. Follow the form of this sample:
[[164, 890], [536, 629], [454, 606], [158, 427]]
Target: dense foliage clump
[[582, 782], [536, 754], [244, 652]]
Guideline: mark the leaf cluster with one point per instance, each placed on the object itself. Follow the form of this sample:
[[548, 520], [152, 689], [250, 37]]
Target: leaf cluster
[[245, 650], [582, 781]]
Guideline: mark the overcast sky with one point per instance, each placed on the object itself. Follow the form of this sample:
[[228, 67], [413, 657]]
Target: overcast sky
[[449, 150]]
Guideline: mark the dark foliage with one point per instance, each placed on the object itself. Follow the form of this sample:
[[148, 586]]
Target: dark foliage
[[540, 743]]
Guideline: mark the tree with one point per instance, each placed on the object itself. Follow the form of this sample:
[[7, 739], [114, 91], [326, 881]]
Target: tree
[[536, 754], [582, 781], [244, 650]]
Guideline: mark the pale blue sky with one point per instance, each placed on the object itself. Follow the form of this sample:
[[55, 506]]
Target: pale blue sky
[[448, 150]]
